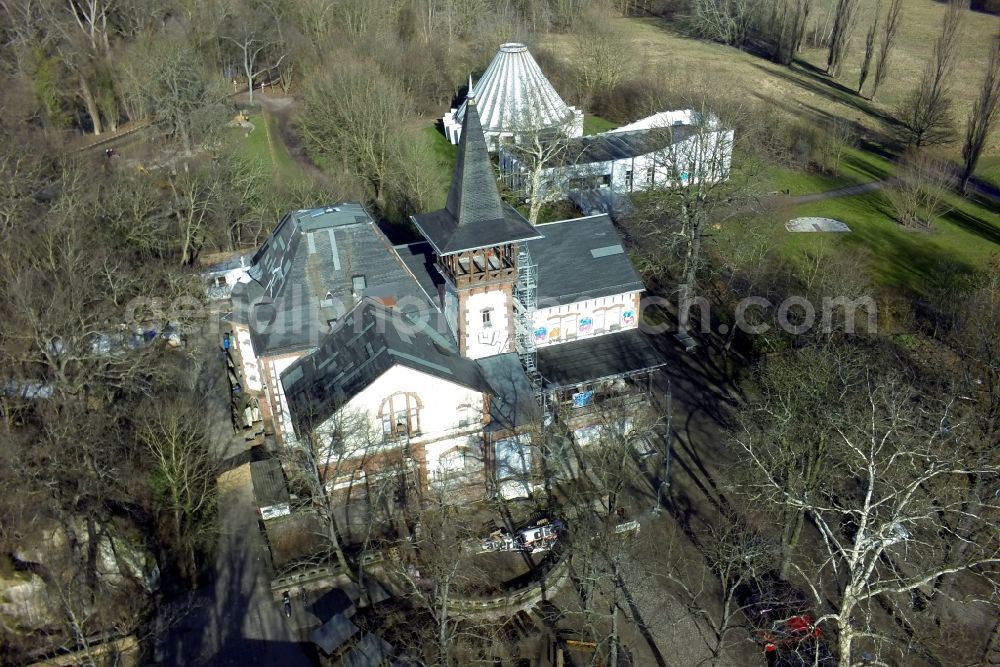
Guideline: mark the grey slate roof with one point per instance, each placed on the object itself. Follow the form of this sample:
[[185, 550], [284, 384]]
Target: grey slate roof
[[371, 651], [581, 259], [304, 275], [474, 215], [366, 343], [591, 359], [269, 487], [513, 403], [611, 146], [419, 258], [332, 634]]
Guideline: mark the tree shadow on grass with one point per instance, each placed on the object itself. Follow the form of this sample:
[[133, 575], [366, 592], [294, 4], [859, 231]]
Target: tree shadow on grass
[[814, 80], [975, 224], [909, 260]]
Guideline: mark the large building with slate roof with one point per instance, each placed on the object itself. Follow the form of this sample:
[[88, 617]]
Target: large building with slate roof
[[440, 359], [669, 149]]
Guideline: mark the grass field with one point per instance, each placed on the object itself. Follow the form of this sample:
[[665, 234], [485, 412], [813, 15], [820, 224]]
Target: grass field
[[445, 154], [967, 238], [803, 91], [595, 124], [265, 146], [856, 166]]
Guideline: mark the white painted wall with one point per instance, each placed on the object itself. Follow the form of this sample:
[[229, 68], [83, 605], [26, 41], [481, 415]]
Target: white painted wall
[[276, 395], [251, 369], [585, 319], [495, 139], [655, 170], [451, 414], [480, 340]]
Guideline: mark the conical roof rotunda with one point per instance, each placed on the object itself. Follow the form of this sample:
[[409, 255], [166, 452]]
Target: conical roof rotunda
[[513, 96]]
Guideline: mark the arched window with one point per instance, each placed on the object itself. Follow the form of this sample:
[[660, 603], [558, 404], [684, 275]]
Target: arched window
[[400, 415], [452, 462]]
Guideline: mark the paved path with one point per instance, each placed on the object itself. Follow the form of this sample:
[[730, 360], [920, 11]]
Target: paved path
[[976, 187], [233, 619], [847, 191]]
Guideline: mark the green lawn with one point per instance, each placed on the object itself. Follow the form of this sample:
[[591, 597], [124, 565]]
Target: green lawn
[[964, 240], [988, 169], [856, 166], [595, 124], [445, 153], [265, 146]]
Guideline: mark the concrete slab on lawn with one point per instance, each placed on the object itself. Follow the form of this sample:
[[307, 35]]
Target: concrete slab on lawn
[[816, 225]]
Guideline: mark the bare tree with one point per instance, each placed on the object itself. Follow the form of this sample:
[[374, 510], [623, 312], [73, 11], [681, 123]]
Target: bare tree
[[195, 194], [329, 462], [919, 193], [436, 569], [785, 27], [695, 167], [185, 471], [866, 62], [165, 78], [887, 41], [533, 151], [258, 50], [982, 117], [602, 55], [793, 416], [838, 136], [844, 21], [726, 21], [926, 113], [883, 507], [730, 556], [354, 117]]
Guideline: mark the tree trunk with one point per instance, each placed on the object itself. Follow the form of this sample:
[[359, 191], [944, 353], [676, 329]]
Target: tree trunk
[[443, 628], [535, 205], [90, 104], [247, 68], [789, 540], [686, 291]]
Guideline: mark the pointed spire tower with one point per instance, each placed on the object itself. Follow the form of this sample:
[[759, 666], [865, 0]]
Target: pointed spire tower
[[475, 238], [513, 93]]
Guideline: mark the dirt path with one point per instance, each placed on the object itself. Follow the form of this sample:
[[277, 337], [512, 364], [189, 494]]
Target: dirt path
[[283, 109]]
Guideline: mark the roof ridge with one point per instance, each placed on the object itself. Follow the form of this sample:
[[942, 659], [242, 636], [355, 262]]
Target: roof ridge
[[473, 197]]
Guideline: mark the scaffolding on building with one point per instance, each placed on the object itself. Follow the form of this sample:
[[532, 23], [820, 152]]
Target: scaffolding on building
[[525, 304]]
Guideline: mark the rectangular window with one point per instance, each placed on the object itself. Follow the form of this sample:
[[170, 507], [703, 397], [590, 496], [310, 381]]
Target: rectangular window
[[628, 179], [487, 318], [414, 421]]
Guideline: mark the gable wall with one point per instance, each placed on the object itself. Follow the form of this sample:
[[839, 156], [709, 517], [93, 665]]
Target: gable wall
[[450, 414]]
